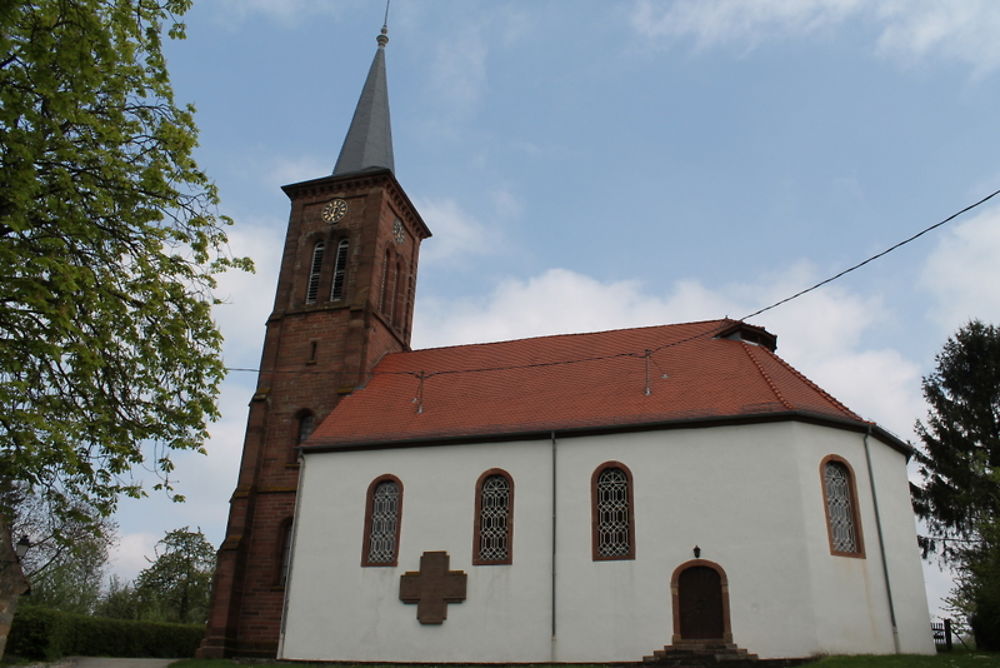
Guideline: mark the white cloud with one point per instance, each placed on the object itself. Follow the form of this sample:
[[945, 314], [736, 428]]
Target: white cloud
[[456, 233], [247, 299], [130, 555], [962, 272], [713, 22], [285, 170], [458, 72], [907, 30], [965, 32], [287, 12], [823, 334]]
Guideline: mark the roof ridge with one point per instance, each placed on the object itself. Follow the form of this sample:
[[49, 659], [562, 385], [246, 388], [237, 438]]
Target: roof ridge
[[766, 376], [566, 335], [829, 397]]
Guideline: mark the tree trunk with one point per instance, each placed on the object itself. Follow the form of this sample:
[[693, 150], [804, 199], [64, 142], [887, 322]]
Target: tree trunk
[[12, 583]]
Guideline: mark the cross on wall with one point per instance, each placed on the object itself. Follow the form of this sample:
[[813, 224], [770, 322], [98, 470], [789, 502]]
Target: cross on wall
[[432, 588]]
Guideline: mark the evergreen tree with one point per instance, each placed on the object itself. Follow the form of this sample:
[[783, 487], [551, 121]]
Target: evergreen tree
[[960, 466]]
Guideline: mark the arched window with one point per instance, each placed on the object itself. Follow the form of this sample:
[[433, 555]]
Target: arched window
[[841, 499], [312, 289], [494, 529], [339, 272], [285, 545], [384, 507], [306, 424], [396, 315], [383, 301], [612, 512]]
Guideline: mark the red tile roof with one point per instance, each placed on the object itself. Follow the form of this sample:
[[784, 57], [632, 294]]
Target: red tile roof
[[572, 382]]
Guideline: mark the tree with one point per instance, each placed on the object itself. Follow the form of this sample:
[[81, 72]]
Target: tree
[[119, 601], [68, 554], [109, 245], [175, 588], [960, 465]]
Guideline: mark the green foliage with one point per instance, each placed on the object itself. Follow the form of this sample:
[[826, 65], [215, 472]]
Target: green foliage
[[945, 660], [176, 587], [119, 601], [961, 440], [960, 465], [40, 633], [109, 243]]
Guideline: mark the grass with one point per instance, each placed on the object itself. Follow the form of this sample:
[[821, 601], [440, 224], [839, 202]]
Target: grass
[[956, 659]]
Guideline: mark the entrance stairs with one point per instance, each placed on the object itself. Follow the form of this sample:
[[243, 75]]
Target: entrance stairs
[[706, 654]]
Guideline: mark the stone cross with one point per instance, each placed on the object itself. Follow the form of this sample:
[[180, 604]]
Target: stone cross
[[432, 588]]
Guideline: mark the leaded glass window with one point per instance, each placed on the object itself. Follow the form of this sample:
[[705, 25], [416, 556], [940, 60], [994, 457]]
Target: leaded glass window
[[312, 289], [613, 531], [339, 271], [493, 539], [840, 511], [384, 514]]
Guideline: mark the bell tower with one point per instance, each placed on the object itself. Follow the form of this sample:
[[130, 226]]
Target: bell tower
[[344, 300]]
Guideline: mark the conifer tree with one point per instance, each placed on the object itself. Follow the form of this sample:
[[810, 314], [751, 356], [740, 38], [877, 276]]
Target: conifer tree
[[960, 464]]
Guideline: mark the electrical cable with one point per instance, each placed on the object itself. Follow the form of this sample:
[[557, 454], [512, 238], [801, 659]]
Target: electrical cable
[[716, 329]]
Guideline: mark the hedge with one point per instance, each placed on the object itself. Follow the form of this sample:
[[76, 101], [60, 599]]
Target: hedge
[[41, 633]]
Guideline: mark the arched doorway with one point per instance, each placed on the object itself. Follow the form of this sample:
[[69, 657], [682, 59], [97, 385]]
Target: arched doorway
[[700, 593]]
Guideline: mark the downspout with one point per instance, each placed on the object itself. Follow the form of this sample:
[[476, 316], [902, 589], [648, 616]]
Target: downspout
[[881, 542], [291, 555], [552, 645]]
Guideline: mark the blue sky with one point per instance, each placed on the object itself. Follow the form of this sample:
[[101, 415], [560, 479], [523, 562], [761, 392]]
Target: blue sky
[[589, 165]]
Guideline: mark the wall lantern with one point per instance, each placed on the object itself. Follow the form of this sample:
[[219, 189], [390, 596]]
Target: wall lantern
[[21, 548], [697, 552]]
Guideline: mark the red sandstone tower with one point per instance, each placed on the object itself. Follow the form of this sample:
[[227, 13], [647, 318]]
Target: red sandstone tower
[[344, 299]]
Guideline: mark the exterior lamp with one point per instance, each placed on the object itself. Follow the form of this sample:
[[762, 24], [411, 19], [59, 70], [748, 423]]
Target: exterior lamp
[[697, 552], [21, 548]]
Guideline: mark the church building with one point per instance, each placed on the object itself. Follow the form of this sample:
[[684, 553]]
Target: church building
[[595, 497]]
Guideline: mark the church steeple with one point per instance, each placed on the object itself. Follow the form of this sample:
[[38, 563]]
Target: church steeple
[[368, 144], [344, 300]]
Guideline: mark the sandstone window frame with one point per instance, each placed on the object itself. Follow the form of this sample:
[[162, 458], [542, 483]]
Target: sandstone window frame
[[482, 509]]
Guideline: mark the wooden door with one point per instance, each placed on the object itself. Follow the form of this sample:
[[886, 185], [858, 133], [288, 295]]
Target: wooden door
[[700, 598]]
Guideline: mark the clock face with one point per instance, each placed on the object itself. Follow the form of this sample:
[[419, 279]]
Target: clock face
[[334, 210], [397, 232]]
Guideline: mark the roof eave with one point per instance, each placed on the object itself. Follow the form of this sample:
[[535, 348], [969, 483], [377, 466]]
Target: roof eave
[[569, 432]]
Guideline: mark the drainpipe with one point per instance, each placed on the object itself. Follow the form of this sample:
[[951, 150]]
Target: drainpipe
[[552, 647], [881, 542]]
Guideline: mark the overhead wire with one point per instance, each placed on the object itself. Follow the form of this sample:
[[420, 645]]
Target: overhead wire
[[424, 375]]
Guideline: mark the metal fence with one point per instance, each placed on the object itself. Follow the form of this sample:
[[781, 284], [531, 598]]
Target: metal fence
[[942, 635]]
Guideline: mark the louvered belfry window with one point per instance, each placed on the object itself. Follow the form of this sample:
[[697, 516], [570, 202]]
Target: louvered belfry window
[[339, 271], [493, 529], [312, 289], [613, 520], [841, 514], [383, 531]]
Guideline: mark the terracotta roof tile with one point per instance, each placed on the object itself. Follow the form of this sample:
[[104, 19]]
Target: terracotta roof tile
[[573, 381]]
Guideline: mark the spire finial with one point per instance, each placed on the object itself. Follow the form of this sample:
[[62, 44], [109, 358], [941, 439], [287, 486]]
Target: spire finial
[[383, 37]]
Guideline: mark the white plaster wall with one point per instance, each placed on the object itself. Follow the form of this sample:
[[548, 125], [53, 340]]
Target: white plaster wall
[[340, 610], [730, 490], [750, 496], [899, 532], [850, 595]]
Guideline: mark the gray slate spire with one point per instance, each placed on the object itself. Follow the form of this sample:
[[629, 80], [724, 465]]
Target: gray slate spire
[[368, 144]]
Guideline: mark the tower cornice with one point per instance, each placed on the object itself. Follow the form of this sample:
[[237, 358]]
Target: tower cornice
[[345, 183]]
